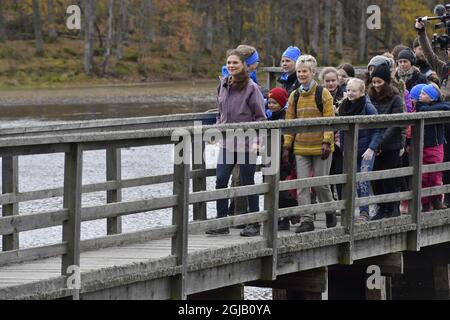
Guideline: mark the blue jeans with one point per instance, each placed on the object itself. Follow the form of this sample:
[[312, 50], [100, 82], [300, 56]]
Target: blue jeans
[[363, 188], [226, 162]]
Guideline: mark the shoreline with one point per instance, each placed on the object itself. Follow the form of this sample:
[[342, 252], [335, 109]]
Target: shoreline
[[128, 93]]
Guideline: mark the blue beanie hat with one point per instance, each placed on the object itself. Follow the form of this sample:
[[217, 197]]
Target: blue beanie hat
[[416, 90], [432, 92], [292, 53]]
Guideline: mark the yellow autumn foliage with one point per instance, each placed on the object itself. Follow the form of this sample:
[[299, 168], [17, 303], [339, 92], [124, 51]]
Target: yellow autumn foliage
[[406, 12]]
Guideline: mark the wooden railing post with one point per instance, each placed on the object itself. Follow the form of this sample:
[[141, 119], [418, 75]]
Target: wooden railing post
[[271, 202], [349, 190], [415, 205], [10, 184], [180, 218], [72, 202], [271, 78], [113, 173], [199, 183]]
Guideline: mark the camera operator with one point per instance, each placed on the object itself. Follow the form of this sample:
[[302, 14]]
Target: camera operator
[[434, 61], [422, 62]]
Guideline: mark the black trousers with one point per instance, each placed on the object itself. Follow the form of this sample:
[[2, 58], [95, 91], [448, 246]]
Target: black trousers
[[384, 161], [404, 181]]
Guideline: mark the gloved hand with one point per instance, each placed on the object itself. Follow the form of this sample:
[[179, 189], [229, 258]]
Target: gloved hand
[[326, 151], [420, 26]]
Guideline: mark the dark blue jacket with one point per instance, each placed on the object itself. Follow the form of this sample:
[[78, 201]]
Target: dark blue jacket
[[434, 134], [289, 82], [367, 138]]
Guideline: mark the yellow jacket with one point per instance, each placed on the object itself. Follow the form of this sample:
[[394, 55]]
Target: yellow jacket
[[310, 143]]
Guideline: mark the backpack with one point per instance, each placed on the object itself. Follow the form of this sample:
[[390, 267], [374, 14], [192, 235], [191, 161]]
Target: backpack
[[318, 98]]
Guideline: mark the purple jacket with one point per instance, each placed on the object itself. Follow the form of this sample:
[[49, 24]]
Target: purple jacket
[[408, 101], [239, 106]]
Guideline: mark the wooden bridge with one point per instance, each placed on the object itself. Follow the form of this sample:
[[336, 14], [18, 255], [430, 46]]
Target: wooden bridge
[[179, 261]]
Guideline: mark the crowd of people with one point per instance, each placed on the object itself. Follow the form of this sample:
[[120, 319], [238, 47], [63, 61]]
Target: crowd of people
[[404, 80]]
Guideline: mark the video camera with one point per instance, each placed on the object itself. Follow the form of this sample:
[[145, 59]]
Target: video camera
[[442, 13]]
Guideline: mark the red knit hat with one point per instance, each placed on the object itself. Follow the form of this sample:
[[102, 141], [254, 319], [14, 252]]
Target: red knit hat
[[280, 95]]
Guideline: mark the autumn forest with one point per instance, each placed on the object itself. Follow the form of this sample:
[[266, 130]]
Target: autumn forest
[[148, 40]]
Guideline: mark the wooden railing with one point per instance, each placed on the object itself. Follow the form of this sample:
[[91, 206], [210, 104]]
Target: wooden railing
[[73, 144]]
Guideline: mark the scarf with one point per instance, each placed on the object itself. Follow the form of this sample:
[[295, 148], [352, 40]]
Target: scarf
[[307, 88], [277, 115], [406, 76], [352, 108]]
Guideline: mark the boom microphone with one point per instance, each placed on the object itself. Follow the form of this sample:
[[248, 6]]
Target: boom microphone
[[425, 19]]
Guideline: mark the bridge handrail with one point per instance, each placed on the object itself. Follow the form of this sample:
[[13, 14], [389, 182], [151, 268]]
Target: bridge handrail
[[110, 124], [288, 126]]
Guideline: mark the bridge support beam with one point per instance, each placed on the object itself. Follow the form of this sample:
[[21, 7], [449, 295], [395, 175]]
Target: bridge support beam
[[367, 279], [71, 231], [235, 292], [305, 285], [180, 218], [426, 276], [389, 264], [349, 191], [113, 173], [10, 184], [441, 277], [199, 183]]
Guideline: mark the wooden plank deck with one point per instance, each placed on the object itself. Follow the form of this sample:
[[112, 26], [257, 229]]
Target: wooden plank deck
[[213, 261], [38, 270]]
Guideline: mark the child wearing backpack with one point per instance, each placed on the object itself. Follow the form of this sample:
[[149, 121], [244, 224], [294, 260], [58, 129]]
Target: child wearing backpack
[[276, 110], [312, 149]]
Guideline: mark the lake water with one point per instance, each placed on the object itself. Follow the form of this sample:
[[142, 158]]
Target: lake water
[[46, 171]]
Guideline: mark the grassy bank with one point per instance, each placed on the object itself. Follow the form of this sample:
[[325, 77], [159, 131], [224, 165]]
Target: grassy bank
[[62, 65]]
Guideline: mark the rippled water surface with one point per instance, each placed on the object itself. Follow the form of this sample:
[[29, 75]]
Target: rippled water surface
[[38, 172]]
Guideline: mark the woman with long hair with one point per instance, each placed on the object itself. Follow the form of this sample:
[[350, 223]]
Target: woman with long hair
[[239, 100], [387, 100]]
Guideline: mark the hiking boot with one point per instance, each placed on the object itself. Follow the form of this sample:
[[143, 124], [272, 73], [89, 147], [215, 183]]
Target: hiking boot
[[363, 217], [379, 215], [218, 232], [404, 205], [426, 207], [439, 205], [252, 230], [331, 219], [284, 225], [241, 226], [394, 213], [305, 227], [295, 219]]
